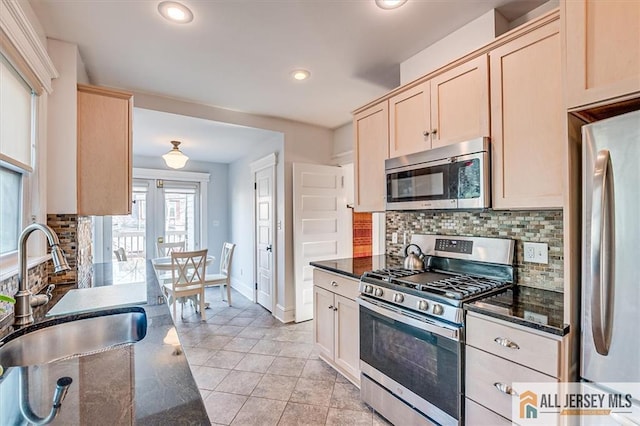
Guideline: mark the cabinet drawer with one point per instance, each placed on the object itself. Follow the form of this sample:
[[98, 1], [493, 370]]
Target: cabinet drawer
[[347, 287], [477, 415], [483, 371], [532, 350]]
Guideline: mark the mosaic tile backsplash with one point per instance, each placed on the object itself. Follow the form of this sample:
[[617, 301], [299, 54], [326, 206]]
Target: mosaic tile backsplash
[[38, 280], [75, 237], [530, 226]]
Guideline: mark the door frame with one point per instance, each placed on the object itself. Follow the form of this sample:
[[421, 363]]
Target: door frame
[[268, 161], [101, 241], [180, 176]]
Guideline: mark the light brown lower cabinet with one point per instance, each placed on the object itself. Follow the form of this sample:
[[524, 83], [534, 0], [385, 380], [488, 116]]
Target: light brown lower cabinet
[[336, 321], [499, 354]]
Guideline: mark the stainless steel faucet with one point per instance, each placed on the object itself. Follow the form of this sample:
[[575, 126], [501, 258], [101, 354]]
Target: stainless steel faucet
[[23, 312]]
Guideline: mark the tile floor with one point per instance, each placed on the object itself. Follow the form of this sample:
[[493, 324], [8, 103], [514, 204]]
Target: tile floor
[[253, 370]]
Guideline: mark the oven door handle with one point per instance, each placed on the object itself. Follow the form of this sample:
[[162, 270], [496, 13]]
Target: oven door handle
[[431, 327]]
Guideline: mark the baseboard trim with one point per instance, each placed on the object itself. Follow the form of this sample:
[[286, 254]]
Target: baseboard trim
[[242, 288], [285, 315]]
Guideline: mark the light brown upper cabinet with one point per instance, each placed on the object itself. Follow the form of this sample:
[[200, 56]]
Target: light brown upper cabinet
[[527, 113], [449, 108], [104, 151], [460, 103], [371, 136], [602, 50], [410, 121]]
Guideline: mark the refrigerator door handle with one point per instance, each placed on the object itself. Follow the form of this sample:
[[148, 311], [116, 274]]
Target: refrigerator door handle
[[602, 257]]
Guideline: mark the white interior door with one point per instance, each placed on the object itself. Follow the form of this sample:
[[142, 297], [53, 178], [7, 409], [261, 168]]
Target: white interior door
[[265, 244], [321, 226]]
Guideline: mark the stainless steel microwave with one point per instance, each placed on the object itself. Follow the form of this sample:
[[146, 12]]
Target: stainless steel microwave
[[450, 177]]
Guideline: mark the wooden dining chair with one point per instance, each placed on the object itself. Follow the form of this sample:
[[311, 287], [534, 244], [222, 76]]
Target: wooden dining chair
[[224, 277], [188, 271], [165, 249]]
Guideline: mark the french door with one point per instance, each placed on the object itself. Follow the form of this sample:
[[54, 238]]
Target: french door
[[162, 211]]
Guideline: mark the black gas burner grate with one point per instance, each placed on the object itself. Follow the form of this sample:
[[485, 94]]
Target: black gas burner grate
[[451, 286], [462, 286], [392, 274]]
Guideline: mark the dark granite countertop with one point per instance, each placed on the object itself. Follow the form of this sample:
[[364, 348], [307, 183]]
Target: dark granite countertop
[[356, 266], [148, 382], [531, 307]]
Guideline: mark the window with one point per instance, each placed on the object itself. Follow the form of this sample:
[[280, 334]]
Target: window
[[10, 220], [17, 124]]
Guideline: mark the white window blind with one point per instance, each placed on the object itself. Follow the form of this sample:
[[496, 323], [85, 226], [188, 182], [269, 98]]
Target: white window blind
[[15, 118]]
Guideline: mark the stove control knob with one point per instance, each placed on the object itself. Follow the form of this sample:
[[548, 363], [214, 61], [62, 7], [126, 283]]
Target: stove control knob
[[378, 292], [398, 298], [437, 309], [368, 289], [423, 305]]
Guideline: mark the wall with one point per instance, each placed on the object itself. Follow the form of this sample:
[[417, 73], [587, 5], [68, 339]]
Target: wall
[[533, 226], [343, 144], [475, 34], [241, 210], [302, 143], [62, 125], [217, 198]]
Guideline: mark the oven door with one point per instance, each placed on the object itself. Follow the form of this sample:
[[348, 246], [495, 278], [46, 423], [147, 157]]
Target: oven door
[[413, 357]]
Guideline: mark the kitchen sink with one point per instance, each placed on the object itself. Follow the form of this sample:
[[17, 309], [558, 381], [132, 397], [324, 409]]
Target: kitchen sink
[[72, 336]]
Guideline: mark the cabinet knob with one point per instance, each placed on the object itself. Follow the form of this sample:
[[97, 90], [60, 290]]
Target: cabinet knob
[[425, 133], [330, 306], [506, 389], [434, 131], [503, 341], [335, 308]]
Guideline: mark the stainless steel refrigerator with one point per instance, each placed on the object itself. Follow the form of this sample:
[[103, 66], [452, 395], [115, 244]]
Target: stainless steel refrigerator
[[610, 339]]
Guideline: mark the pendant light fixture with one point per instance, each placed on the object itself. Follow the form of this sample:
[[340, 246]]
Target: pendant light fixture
[[175, 158]]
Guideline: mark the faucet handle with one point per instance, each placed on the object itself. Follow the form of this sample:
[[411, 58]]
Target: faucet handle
[[49, 291]]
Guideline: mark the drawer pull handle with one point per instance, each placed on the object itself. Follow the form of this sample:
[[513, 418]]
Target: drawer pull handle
[[333, 283], [503, 341], [506, 389]]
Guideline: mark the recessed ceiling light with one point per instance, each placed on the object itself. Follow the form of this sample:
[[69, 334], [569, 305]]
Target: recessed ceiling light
[[175, 12], [300, 74], [390, 4]]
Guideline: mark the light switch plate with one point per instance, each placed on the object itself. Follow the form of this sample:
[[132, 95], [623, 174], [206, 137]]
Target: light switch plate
[[536, 253], [394, 237]]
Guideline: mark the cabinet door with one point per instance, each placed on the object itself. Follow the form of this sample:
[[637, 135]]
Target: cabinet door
[[371, 128], [527, 114], [104, 151], [347, 336], [409, 121], [603, 50], [323, 321], [460, 103]]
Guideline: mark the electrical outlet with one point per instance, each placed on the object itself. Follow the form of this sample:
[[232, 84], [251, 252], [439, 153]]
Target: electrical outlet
[[394, 238], [536, 253]]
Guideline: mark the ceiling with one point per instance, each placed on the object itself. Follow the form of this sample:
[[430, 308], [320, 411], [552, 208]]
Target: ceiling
[[202, 140], [238, 54]]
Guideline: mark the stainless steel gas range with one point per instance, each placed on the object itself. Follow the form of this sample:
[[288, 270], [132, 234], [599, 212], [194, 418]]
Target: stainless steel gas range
[[412, 327]]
